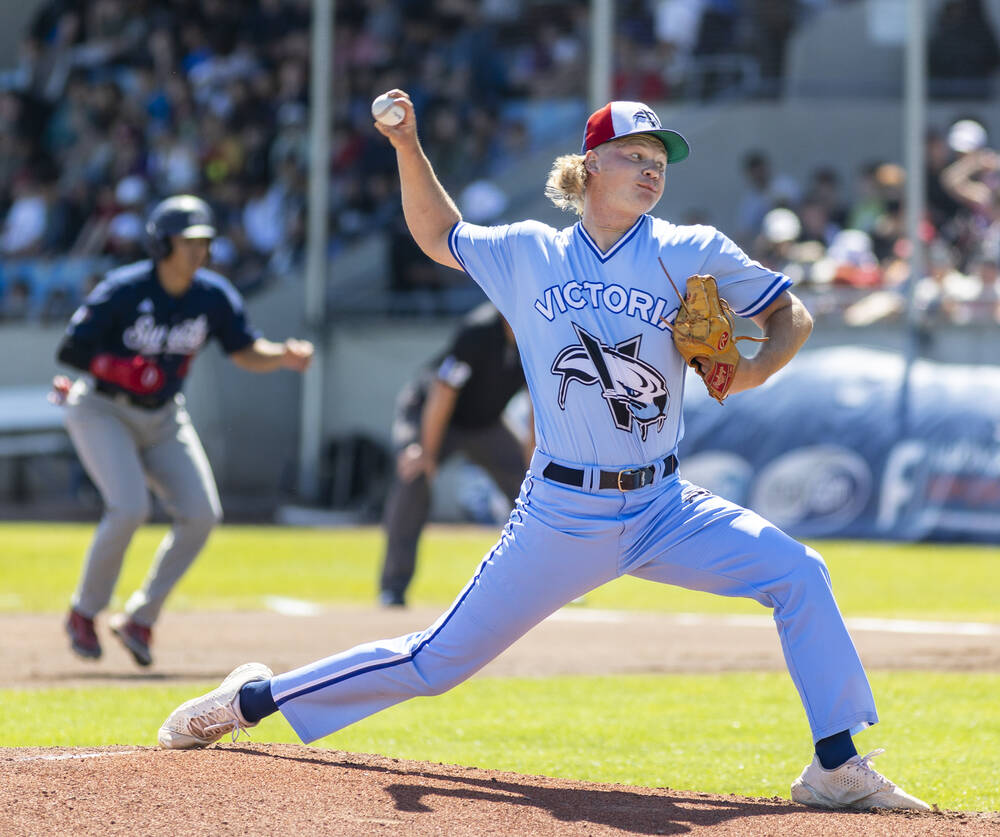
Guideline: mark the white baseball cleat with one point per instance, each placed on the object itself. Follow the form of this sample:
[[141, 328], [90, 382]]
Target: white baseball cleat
[[855, 785], [204, 720]]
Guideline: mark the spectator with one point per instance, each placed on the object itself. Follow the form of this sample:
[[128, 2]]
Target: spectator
[[482, 202], [778, 248], [941, 205], [67, 215], [25, 223], [869, 203], [94, 233], [174, 163], [984, 269], [853, 260], [962, 51], [677, 24], [263, 218], [717, 27], [945, 294], [966, 136], [779, 230], [639, 75], [973, 180], [125, 229], [888, 224], [824, 188], [57, 306], [764, 191], [773, 22], [16, 300], [817, 225]]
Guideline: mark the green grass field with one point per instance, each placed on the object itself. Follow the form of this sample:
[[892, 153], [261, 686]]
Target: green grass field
[[724, 733], [241, 565]]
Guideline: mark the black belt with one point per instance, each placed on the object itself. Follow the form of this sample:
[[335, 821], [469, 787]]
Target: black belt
[[627, 480], [146, 402]]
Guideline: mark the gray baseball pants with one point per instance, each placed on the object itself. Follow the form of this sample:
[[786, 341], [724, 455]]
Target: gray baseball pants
[[125, 450]]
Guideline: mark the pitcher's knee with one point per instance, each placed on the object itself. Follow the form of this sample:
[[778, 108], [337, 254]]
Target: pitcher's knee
[[437, 673], [810, 570], [815, 564]]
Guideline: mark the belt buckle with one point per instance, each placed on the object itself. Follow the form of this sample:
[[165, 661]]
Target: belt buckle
[[640, 471]]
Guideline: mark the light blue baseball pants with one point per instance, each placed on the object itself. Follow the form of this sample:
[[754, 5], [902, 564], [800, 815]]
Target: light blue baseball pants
[[562, 542]]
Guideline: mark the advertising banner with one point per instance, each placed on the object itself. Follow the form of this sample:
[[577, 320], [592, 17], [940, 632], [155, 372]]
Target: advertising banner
[[841, 443]]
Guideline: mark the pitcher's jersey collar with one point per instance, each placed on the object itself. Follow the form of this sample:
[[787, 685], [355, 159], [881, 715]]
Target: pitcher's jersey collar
[[614, 248]]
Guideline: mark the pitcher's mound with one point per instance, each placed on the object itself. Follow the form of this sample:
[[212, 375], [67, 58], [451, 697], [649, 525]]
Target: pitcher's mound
[[288, 789]]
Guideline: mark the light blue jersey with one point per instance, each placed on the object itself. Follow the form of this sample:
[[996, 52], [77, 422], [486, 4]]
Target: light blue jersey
[[594, 327]]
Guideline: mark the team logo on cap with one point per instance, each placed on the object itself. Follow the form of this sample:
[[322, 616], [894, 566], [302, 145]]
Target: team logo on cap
[[635, 392], [645, 117]]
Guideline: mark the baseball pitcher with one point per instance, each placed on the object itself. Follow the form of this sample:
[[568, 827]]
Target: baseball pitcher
[[601, 330]]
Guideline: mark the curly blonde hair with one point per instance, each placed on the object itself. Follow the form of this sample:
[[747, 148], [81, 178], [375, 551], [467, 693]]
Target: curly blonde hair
[[567, 183]]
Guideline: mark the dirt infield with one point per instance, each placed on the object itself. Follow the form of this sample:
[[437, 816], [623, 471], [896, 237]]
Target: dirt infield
[[284, 789], [268, 789], [577, 640]]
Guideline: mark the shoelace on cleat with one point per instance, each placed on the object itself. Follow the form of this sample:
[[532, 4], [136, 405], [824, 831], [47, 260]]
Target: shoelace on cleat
[[866, 764], [224, 720]]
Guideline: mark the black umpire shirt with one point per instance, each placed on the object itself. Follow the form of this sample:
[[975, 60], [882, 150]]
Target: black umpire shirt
[[484, 366]]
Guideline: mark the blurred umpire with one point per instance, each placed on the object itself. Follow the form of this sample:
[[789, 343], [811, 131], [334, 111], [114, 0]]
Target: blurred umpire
[[136, 335], [454, 405]]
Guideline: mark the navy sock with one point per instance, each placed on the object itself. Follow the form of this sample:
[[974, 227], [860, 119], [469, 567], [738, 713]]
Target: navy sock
[[256, 701], [835, 750]]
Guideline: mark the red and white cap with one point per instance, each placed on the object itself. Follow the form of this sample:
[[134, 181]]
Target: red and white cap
[[622, 119]]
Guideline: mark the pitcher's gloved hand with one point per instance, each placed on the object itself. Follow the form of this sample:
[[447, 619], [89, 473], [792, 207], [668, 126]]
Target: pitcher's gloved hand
[[704, 334]]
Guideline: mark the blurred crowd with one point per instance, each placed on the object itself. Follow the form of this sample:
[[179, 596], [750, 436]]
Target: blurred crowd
[[114, 104], [848, 249]]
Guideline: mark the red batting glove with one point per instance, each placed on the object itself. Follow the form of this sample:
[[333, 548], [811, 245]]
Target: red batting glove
[[136, 373]]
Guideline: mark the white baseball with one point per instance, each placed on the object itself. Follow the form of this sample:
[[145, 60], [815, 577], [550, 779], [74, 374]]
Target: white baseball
[[386, 111]]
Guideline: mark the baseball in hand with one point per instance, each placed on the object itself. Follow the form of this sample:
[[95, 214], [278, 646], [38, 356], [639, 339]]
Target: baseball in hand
[[386, 111]]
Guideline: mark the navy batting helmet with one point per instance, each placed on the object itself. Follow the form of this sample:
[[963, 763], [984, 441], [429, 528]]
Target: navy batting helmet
[[184, 215]]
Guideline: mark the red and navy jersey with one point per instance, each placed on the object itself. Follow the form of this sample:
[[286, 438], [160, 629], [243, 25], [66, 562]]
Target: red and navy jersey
[[129, 313]]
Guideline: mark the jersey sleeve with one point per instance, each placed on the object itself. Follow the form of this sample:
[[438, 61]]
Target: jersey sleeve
[[457, 365], [745, 284], [232, 329], [84, 337], [494, 256]]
